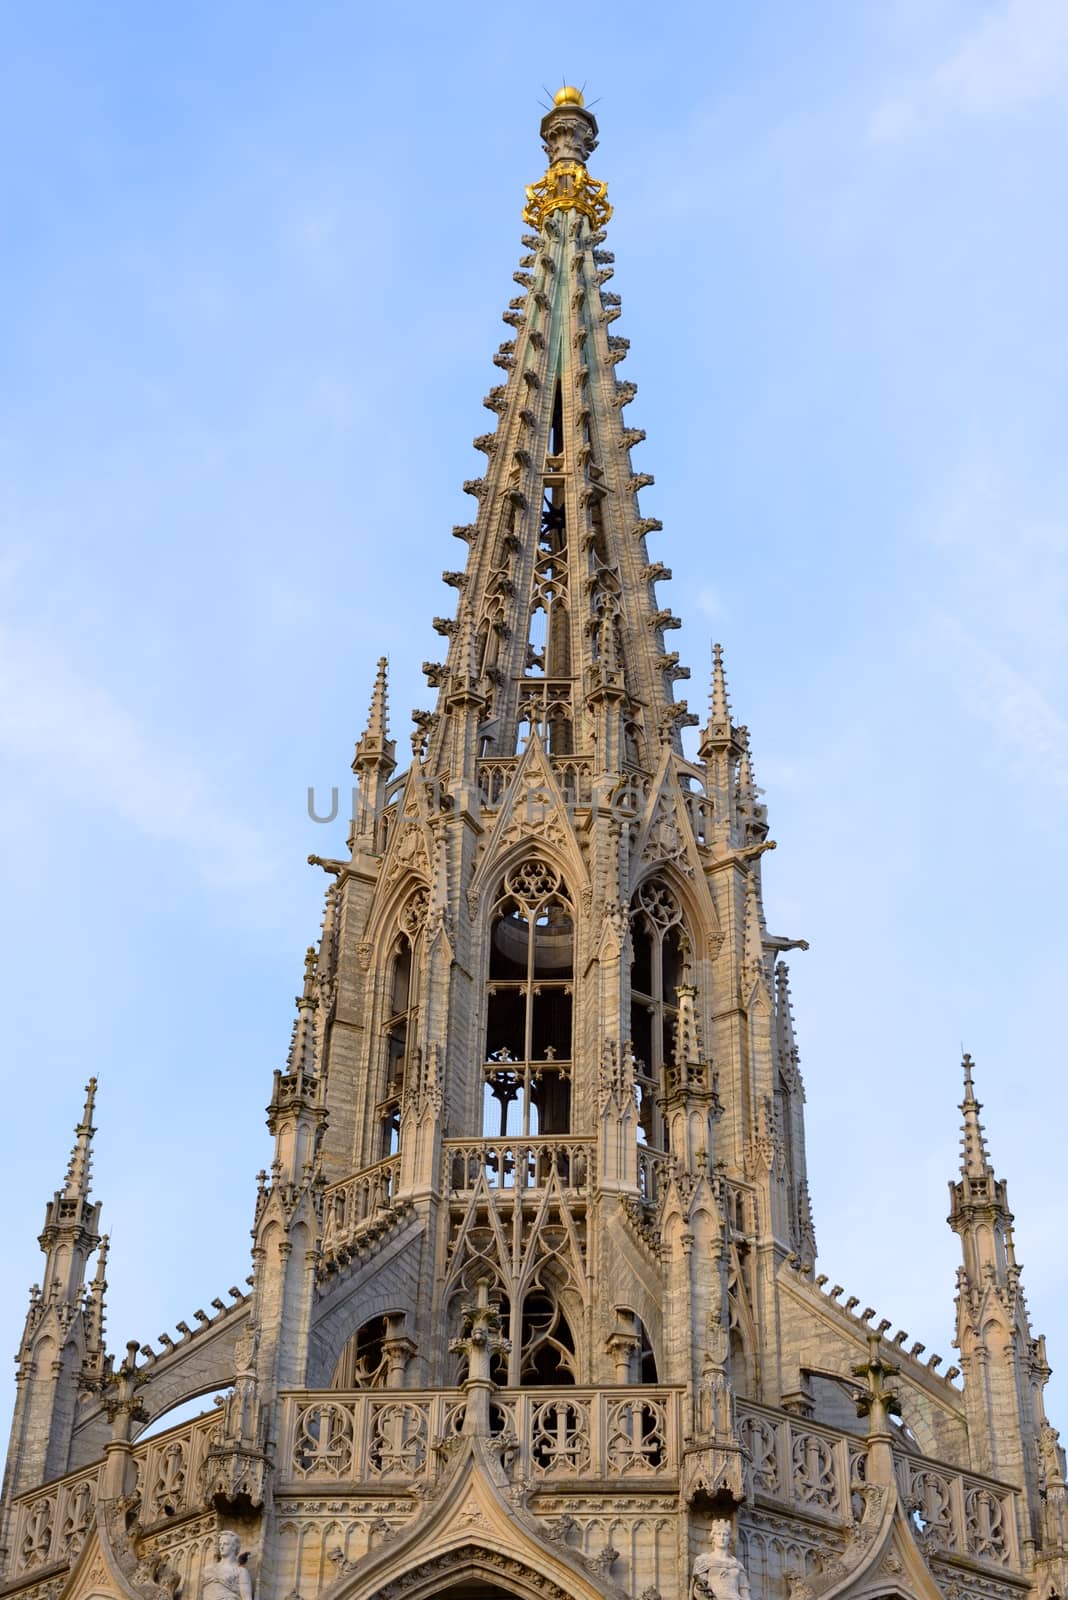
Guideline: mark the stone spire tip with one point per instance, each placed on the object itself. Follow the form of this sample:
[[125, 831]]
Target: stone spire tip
[[76, 1183], [375, 747], [975, 1162], [719, 705]]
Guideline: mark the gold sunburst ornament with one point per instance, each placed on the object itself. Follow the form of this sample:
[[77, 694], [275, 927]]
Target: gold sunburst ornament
[[567, 186]]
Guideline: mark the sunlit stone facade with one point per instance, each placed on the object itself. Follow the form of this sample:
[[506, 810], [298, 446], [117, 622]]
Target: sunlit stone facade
[[534, 1308]]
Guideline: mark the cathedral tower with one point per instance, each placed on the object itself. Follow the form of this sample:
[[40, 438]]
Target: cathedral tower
[[533, 1304]]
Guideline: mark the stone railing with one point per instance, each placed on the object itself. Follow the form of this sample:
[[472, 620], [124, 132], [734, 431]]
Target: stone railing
[[50, 1524], [959, 1514], [518, 1163], [821, 1471], [799, 1464], [350, 1205], [406, 1436]]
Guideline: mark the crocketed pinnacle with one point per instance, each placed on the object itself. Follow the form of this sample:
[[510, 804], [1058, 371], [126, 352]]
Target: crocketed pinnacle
[[975, 1162], [718, 736], [719, 706], [76, 1184], [376, 748], [302, 1056], [747, 791], [784, 1015]]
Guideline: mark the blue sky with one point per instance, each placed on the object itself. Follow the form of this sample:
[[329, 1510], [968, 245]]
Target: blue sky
[[254, 262]]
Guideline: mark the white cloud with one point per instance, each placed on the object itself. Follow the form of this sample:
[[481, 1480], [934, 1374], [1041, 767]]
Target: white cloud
[[56, 725], [1017, 55], [1012, 706]]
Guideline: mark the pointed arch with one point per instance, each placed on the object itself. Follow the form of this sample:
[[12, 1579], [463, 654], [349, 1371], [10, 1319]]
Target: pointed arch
[[530, 975], [660, 947]]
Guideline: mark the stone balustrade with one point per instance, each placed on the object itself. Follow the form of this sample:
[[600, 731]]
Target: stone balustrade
[[399, 1437], [518, 1164], [350, 1205], [51, 1524], [795, 1463]]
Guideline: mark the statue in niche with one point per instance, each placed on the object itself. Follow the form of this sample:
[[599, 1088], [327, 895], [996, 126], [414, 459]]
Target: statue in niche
[[718, 1574], [227, 1578]]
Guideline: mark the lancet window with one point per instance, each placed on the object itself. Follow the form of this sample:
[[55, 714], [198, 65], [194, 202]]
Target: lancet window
[[529, 1005], [400, 1018], [658, 942], [546, 696]]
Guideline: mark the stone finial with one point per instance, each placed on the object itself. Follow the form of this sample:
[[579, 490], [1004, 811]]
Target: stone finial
[[568, 130], [877, 1403]]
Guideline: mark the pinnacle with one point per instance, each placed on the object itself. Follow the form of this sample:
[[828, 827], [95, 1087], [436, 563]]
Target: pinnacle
[[747, 790], [302, 1046], [76, 1184], [375, 746], [975, 1162], [719, 705]]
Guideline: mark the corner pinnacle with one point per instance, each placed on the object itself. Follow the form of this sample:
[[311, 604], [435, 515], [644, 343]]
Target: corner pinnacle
[[375, 747]]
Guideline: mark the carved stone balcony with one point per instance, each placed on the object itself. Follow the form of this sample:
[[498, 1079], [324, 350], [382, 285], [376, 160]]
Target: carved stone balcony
[[519, 1165], [354, 1206]]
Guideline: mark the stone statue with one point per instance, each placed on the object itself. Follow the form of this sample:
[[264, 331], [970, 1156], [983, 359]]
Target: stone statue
[[718, 1574], [226, 1579]]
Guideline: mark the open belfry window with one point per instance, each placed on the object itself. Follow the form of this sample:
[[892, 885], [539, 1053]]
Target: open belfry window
[[529, 1005], [658, 942]]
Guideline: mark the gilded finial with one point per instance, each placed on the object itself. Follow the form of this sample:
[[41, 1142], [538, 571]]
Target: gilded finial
[[569, 134]]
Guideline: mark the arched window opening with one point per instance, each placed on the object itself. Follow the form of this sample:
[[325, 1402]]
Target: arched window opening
[[546, 1342], [646, 1357], [400, 1003], [536, 641], [556, 427], [658, 944], [529, 1005], [362, 1363]]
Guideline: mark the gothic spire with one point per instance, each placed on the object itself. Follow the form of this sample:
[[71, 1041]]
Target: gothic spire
[[558, 601]]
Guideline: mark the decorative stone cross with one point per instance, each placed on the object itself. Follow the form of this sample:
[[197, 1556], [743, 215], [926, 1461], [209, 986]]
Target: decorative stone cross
[[878, 1404]]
